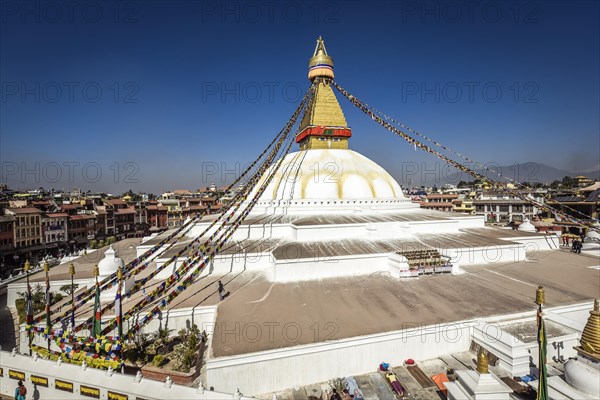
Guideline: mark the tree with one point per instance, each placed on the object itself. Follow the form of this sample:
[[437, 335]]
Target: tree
[[185, 352], [161, 336], [569, 182], [68, 290], [38, 300]]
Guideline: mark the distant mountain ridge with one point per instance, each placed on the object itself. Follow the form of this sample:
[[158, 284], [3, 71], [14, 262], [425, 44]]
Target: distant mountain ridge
[[531, 172]]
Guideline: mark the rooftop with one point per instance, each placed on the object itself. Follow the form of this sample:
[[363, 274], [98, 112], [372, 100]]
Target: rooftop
[[383, 304], [24, 210]]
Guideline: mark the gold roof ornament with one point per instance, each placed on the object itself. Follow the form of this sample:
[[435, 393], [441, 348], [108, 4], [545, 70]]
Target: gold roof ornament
[[482, 362], [590, 337], [72, 269], [320, 64], [27, 266], [96, 270], [539, 296], [119, 274], [46, 266]]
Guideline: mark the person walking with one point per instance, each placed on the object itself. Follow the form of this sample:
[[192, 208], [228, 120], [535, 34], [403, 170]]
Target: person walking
[[335, 395], [20, 391], [221, 290]]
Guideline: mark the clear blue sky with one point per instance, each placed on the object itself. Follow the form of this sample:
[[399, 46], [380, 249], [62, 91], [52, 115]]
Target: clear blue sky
[[175, 86]]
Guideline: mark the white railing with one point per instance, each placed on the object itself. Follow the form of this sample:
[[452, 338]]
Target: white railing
[[53, 380]]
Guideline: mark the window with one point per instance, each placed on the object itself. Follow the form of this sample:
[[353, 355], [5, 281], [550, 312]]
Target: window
[[503, 208]]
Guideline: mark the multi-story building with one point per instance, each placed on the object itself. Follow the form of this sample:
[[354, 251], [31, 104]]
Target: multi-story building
[[81, 228], [28, 226], [440, 202], [502, 207], [464, 204], [124, 218], [157, 216], [140, 219], [7, 234], [54, 227], [583, 207]]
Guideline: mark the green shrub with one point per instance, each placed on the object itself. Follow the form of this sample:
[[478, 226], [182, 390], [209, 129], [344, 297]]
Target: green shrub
[[158, 360]]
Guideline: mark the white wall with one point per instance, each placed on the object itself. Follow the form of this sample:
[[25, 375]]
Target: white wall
[[119, 383], [279, 369], [265, 372]]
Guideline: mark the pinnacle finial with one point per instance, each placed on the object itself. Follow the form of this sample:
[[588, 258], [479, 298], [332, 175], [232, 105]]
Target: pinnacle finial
[[96, 270], [539, 296], [482, 362], [320, 64]]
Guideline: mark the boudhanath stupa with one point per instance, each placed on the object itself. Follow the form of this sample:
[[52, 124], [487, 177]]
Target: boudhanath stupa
[[335, 270]]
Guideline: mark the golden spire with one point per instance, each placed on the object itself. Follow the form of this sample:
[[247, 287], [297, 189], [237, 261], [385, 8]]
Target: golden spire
[[119, 274], [320, 64], [27, 266], [96, 271], [72, 269], [482, 362], [539, 295], [46, 266], [590, 337], [323, 125]]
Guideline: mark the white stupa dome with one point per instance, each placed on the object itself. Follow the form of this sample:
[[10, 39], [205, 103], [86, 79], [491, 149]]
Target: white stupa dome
[[332, 179], [110, 263], [527, 226]]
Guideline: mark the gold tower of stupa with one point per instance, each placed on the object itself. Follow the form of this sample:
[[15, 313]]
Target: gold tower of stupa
[[324, 125]]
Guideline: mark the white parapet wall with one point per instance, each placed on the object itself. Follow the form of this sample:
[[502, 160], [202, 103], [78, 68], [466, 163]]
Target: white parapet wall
[[280, 369], [49, 380]]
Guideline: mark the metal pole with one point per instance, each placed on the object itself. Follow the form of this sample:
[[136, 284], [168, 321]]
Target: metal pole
[[48, 318], [72, 273], [26, 268]]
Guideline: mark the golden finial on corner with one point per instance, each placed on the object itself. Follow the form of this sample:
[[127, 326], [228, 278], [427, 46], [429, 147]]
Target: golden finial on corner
[[590, 337], [119, 274], [482, 362], [539, 295], [46, 266], [72, 269], [27, 266], [96, 270]]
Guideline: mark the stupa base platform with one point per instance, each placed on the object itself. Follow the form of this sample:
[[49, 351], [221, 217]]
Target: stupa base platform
[[271, 336]]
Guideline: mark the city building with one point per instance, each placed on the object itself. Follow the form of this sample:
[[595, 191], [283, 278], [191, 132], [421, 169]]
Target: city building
[[55, 227], [7, 234], [28, 226], [501, 207], [439, 202]]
